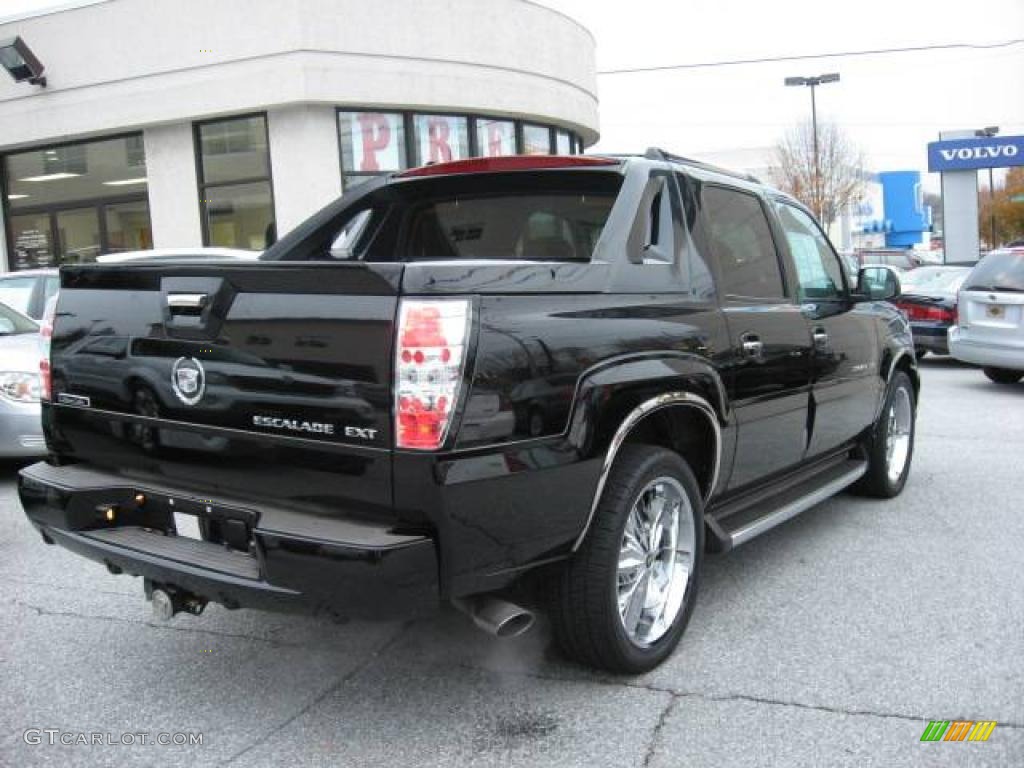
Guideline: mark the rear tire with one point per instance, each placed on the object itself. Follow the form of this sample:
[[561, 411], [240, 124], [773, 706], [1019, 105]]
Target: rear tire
[[890, 445], [1003, 375], [623, 600]]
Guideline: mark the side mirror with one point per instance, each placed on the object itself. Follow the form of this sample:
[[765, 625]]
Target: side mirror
[[878, 283]]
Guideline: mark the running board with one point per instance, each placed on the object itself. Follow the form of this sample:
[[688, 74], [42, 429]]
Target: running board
[[744, 524]]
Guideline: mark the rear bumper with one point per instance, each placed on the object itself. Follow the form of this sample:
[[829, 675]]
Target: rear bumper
[[930, 336], [962, 347], [337, 567]]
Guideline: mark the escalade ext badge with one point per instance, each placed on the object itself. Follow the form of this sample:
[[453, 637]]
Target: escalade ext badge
[[293, 425]]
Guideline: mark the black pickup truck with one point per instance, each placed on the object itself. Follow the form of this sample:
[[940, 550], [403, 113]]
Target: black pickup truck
[[576, 374]]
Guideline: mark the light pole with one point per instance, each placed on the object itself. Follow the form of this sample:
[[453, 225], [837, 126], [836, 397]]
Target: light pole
[[812, 83], [988, 132]]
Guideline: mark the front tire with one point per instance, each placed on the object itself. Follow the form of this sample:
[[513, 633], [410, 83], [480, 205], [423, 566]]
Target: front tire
[[622, 602], [1003, 375], [890, 446]]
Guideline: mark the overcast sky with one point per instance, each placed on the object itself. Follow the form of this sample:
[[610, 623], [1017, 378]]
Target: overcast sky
[[891, 105]]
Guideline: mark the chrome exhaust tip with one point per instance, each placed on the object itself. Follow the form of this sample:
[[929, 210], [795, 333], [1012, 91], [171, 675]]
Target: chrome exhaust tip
[[163, 605], [496, 616]]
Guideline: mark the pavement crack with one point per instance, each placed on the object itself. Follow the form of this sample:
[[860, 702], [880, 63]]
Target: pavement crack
[[677, 693], [40, 611], [658, 728], [373, 656]]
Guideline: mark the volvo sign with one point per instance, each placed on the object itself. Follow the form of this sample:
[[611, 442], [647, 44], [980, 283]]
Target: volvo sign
[[970, 154]]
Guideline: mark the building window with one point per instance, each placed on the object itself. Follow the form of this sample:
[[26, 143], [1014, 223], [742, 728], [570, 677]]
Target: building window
[[536, 140], [235, 189], [372, 143], [441, 138], [378, 143], [563, 143], [495, 137], [62, 200]]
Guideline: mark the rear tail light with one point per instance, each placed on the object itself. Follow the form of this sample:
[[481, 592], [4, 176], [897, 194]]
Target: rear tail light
[[429, 365], [45, 336], [931, 314]]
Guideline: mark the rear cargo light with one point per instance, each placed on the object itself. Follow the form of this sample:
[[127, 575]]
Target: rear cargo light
[[45, 336], [509, 163], [430, 360]]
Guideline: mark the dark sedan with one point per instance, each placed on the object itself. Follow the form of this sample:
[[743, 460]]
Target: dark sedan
[[928, 299]]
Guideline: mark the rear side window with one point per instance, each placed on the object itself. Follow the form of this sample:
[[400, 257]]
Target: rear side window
[[741, 241], [998, 271], [540, 226]]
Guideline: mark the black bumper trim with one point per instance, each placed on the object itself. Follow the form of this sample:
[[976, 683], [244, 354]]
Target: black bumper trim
[[199, 554], [376, 574]]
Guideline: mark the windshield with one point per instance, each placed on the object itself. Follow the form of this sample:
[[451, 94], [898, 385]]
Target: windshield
[[934, 279], [998, 272], [13, 323]]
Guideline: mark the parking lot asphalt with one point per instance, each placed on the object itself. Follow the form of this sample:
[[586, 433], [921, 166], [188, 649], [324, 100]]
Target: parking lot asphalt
[[831, 640]]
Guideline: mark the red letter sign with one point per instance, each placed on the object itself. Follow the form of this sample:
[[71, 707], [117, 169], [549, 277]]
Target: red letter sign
[[438, 132], [376, 137]]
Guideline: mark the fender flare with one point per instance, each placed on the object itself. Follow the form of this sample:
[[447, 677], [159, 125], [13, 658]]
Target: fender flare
[[894, 364], [675, 399]]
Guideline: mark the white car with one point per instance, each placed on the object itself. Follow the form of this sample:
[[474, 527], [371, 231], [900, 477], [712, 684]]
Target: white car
[[21, 426], [990, 332]]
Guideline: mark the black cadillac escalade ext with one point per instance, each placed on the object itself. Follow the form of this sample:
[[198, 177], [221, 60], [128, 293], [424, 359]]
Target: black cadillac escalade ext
[[586, 371]]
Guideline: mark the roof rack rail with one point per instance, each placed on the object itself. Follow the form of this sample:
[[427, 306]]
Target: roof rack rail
[[657, 153]]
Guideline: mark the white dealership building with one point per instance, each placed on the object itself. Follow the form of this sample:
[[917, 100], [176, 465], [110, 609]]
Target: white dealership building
[[178, 123]]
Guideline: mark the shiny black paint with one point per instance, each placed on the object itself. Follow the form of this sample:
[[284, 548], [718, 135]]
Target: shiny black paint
[[559, 355]]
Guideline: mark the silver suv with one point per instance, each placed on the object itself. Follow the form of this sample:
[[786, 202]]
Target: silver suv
[[990, 332]]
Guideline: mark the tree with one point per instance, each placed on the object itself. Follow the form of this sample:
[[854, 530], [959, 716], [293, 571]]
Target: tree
[[1009, 213], [829, 186]]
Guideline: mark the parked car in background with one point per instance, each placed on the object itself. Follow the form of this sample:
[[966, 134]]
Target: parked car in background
[[177, 254], [27, 292], [21, 428], [901, 258], [928, 299], [990, 332]]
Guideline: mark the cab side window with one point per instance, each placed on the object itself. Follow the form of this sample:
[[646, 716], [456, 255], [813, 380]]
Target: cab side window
[[818, 271], [741, 241]]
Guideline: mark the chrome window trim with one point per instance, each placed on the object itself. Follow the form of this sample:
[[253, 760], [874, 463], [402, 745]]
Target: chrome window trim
[[646, 408]]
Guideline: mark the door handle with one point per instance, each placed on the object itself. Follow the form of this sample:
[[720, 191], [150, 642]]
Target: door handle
[[752, 346], [820, 336]]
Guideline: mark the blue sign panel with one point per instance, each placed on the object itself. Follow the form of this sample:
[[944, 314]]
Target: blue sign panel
[[982, 152]]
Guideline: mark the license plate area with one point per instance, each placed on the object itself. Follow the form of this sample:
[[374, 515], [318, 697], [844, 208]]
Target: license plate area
[[187, 525], [206, 520]]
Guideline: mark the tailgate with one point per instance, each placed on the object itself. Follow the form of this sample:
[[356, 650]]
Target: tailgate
[[267, 380], [993, 316]]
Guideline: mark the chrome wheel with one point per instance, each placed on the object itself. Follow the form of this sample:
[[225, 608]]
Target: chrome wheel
[[898, 434], [656, 558]]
